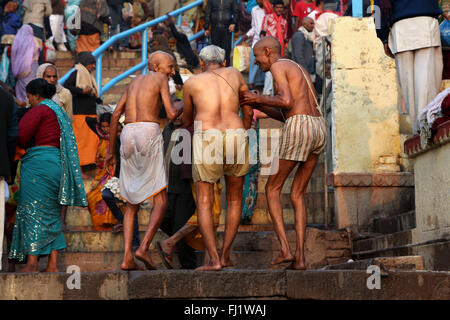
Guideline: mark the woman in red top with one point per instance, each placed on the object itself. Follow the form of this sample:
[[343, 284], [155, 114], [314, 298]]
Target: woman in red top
[[50, 178]]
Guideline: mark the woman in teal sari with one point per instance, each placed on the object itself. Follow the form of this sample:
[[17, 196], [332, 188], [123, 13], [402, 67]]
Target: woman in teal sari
[[50, 178]]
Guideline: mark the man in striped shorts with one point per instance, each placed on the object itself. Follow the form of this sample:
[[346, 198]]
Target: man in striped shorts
[[304, 137]]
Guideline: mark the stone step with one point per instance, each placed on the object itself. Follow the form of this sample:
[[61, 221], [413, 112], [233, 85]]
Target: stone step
[[365, 247], [227, 284], [403, 263], [393, 224], [108, 63], [78, 218], [102, 251]]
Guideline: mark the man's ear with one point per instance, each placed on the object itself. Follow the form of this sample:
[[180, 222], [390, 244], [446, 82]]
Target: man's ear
[[224, 63], [202, 64], [267, 51]]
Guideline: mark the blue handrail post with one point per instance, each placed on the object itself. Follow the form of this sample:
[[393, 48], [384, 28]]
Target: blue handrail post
[[144, 49], [98, 74], [179, 20], [357, 8]]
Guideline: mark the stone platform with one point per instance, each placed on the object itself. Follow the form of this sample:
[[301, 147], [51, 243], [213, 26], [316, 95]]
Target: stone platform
[[227, 284]]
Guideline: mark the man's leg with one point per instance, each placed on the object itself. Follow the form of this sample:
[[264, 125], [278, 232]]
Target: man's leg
[[405, 69], [428, 65], [298, 192], [156, 218], [205, 198], [234, 187], [128, 226], [273, 190], [184, 210]]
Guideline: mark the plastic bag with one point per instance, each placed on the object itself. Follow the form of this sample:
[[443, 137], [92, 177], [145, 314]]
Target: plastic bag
[[49, 51], [241, 57], [445, 33]]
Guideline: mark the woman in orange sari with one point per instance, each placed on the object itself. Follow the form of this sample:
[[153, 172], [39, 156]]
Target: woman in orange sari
[[102, 217]]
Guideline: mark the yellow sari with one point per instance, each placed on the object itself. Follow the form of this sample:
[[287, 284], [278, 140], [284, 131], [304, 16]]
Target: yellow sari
[[102, 217]]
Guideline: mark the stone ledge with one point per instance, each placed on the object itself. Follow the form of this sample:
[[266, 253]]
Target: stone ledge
[[394, 179], [237, 284], [413, 146], [352, 285]]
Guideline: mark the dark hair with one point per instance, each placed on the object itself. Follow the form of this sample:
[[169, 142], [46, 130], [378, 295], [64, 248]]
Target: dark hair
[[105, 117], [319, 2], [278, 2], [42, 88]]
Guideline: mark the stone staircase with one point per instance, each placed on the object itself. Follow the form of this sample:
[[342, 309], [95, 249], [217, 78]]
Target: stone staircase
[[255, 244]]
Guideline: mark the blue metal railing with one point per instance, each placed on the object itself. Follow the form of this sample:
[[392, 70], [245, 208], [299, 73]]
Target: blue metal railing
[[98, 53]]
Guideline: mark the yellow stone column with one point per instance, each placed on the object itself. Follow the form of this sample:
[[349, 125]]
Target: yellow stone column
[[366, 143]]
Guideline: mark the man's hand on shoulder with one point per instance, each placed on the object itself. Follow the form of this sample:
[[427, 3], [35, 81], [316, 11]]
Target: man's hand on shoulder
[[249, 98]]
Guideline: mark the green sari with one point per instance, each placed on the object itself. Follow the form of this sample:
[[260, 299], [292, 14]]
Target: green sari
[[50, 178]]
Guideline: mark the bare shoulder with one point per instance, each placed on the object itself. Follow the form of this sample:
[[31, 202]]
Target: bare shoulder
[[158, 76]]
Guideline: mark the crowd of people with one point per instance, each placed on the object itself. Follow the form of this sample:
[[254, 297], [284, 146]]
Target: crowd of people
[[53, 135]]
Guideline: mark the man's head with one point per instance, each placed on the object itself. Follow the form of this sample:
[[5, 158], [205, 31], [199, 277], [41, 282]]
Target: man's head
[[163, 62], [308, 24], [87, 59], [212, 56], [260, 3], [267, 51], [278, 7]]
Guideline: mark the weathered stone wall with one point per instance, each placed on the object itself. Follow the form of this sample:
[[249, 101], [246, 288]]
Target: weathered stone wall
[[432, 180], [366, 150], [366, 134]]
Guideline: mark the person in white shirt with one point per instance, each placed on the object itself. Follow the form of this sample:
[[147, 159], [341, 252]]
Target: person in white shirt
[[255, 75]]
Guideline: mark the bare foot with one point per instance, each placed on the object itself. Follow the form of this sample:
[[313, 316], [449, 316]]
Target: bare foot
[[282, 259], [128, 264], [144, 256], [29, 269], [167, 246], [227, 263], [299, 265], [50, 270], [210, 267]]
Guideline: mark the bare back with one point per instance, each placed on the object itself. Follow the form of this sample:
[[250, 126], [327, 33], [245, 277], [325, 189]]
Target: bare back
[[288, 73], [215, 95], [143, 102]]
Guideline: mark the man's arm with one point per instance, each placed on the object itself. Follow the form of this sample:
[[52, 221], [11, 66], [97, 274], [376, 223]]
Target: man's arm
[[171, 112], [110, 157], [188, 106], [283, 98], [246, 109]]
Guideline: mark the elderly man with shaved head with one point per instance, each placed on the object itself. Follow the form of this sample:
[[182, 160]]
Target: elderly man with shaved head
[[142, 174], [220, 146], [304, 137]]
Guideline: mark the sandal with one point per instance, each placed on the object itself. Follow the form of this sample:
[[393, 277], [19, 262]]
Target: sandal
[[166, 258]]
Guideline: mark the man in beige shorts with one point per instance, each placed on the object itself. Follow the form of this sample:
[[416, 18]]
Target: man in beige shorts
[[304, 137], [220, 146]]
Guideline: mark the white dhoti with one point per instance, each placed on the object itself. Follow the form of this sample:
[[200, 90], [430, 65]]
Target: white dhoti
[[416, 44], [57, 27], [142, 173]]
